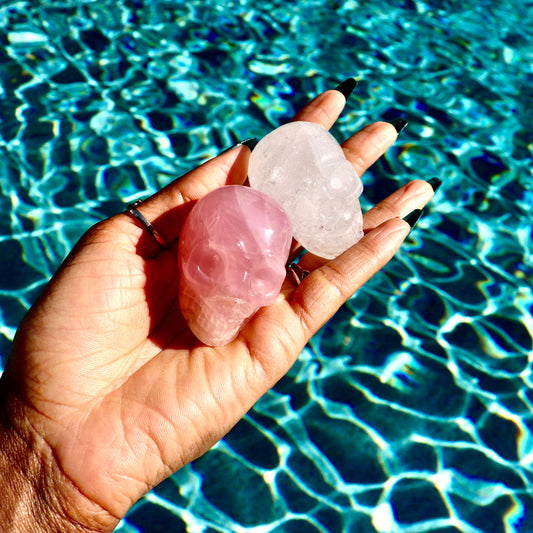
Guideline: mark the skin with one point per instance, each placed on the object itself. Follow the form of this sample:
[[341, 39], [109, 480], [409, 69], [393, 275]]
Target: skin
[[106, 392]]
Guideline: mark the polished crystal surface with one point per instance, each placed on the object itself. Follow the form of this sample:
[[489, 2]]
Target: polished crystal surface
[[302, 166], [232, 254]]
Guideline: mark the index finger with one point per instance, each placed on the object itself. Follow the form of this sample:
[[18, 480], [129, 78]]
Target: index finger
[[167, 209], [326, 107]]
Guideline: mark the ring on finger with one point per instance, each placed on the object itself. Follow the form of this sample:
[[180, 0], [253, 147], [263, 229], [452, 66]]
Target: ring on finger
[[132, 210], [297, 273]]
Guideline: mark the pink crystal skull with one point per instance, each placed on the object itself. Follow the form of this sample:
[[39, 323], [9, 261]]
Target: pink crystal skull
[[232, 254]]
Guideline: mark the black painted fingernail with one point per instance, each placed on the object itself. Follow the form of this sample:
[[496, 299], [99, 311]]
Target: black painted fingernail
[[347, 87], [398, 123], [413, 217], [435, 183], [251, 143]]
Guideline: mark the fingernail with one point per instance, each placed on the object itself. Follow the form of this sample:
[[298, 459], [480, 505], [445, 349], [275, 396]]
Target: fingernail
[[251, 143], [398, 123], [435, 183], [346, 87], [413, 217]]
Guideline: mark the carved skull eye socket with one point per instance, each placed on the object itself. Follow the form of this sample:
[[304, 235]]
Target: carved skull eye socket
[[261, 285], [204, 263]]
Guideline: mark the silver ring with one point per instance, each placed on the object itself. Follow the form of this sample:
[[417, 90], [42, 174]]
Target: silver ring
[[297, 273], [132, 210]]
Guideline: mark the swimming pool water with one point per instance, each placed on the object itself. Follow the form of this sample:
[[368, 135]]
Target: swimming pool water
[[411, 410]]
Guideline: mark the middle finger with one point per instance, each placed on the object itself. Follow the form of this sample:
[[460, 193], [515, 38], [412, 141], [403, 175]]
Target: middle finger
[[366, 146]]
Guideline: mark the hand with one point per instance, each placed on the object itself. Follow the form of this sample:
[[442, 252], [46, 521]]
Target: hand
[[107, 386]]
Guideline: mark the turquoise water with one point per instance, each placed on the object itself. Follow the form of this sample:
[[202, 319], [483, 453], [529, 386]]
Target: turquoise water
[[411, 410]]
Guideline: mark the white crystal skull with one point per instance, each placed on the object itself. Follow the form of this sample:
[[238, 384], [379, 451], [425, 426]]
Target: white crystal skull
[[303, 167]]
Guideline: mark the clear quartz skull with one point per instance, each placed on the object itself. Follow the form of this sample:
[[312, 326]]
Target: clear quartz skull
[[302, 166]]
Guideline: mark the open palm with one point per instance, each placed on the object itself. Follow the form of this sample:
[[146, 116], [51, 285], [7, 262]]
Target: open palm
[[104, 368]]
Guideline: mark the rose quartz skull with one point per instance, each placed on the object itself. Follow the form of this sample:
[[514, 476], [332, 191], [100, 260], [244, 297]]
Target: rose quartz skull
[[232, 254]]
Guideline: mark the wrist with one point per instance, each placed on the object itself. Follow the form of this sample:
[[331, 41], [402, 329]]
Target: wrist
[[36, 495]]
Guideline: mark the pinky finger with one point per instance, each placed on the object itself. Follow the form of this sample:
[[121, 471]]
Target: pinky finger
[[326, 289]]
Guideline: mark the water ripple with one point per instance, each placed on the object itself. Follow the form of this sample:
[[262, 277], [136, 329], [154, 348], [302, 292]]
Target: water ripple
[[409, 411]]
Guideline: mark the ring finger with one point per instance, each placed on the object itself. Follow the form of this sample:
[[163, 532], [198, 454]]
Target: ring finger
[[413, 195]]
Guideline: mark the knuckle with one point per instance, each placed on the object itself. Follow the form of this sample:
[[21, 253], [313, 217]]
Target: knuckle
[[337, 281]]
